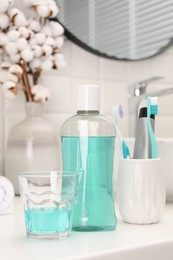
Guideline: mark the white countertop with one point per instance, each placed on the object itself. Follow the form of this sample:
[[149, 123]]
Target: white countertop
[[127, 242]]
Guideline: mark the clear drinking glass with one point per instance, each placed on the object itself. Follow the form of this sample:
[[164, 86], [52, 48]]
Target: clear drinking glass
[[48, 203]]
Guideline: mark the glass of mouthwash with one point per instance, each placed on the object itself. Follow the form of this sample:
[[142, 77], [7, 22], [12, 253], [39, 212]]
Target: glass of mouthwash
[[48, 199]]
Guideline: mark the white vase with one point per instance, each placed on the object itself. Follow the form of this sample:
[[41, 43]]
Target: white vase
[[32, 145]]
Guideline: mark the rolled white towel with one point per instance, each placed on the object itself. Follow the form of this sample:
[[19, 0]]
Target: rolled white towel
[[6, 196]]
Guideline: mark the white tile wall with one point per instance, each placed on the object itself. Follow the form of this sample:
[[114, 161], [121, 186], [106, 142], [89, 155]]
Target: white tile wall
[[61, 92], [161, 65], [1, 132], [83, 63], [138, 70], [115, 71], [114, 77]]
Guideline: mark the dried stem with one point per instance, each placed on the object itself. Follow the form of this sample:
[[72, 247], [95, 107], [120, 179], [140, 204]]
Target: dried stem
[[26, 81], [36, 76], [24, 89]]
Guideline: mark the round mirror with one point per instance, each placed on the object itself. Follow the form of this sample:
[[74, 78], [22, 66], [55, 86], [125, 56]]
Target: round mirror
[[122, 30]]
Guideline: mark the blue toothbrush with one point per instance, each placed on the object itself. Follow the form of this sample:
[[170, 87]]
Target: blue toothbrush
[[152, 108]]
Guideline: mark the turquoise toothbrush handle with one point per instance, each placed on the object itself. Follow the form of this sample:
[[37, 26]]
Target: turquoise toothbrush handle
[[125, 149], [154, 148]]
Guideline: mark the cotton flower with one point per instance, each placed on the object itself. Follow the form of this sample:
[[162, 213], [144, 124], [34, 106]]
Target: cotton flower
[[6, 76], [56, 29], [18, 18], [27, 3], [38, 51], [47, 50], [33, 2], [3, 39], [35, 65], [40, 38], [13, 35], [4, 21], [54, 10], [50, 41], [59, 60], [5, 65], [15, 57], [13, 12], [21, 44], [11, 48], [40, 93], [27, 55], [46, 30], [49, 2], [59, 41], [4, 5], [13, 78], [42, 10], [10, 89], [46, 65], [51, 58], [32, 43], [15, 69], [25, 32], [34, 25]]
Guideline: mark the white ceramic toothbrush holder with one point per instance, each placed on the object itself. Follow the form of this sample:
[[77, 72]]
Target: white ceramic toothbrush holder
[[141, 190]]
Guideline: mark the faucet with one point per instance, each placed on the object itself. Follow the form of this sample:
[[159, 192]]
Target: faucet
[[138, 92], [141, 86]]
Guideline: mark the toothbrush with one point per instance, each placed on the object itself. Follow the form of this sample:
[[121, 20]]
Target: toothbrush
[[152, 108], [117, 112]]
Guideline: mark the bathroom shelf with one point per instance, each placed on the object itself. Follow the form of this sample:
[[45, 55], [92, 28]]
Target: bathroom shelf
[[132, 242]]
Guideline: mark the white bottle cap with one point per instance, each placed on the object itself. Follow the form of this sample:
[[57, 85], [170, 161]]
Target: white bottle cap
[[88, 98]]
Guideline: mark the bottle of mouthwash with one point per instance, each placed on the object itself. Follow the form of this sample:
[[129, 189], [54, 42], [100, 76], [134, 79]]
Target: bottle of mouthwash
[[88, 141]]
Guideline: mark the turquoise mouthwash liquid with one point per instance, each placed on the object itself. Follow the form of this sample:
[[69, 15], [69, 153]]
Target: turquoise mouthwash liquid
[[47, 220], [94, 209]]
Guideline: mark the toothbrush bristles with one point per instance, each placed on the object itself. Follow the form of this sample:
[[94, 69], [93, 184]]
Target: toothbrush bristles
[[118, 112], [154, 109], [154, 105], [154, 100]]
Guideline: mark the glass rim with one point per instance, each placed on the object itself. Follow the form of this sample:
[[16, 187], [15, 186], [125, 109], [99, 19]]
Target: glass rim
[[60, 173]]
